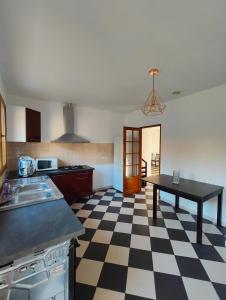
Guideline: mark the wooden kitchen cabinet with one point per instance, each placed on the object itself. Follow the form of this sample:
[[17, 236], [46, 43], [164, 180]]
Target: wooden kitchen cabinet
[[23, 124], [33, 125], [74, 185]]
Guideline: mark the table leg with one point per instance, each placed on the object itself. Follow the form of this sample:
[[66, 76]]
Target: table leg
[[176, 202], [199, 222], [219, 209], [154, 202]]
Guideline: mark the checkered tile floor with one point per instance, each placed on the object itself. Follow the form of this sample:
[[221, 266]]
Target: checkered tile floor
[[124, 255]]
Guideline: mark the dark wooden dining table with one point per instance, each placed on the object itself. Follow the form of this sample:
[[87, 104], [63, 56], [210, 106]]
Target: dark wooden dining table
[[196, 191]]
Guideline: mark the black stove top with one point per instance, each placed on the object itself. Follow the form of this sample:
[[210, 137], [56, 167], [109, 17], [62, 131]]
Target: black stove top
[[71, 167]]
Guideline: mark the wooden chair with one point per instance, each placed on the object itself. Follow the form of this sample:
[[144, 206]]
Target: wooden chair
[[155, 160]]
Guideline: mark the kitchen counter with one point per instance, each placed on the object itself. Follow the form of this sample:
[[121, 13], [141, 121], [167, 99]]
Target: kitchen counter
[[33, 228], [14, 174]]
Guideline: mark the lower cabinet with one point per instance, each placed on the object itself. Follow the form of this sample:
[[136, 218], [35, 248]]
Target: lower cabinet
[[74, 185]]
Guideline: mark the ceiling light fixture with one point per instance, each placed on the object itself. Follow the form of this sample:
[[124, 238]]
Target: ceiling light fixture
[[153, 105]]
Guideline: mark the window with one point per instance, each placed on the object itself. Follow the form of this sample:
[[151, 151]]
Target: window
[[2, 135]]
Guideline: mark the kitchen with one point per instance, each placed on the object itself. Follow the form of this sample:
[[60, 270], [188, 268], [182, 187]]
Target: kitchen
[[80, 82], [47, 179]]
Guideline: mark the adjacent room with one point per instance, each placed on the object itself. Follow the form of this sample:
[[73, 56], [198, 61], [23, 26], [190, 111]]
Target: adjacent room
[[151, 148], [112, 150]]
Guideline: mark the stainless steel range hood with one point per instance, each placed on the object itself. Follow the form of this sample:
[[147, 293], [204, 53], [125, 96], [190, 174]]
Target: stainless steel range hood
[[69, 124]]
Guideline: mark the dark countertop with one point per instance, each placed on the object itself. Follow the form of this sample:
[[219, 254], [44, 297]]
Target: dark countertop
[[14, 174], [33, 228]]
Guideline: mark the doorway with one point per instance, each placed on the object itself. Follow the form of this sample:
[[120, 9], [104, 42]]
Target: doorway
[[151, 150], [132, 139], [141, 156]]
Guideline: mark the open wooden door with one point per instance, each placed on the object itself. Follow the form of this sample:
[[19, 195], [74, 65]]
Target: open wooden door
[[131, 160]]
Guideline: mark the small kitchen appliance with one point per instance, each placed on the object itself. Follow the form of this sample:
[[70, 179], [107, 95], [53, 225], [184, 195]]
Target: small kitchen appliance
[[46, 163], [26, 166]]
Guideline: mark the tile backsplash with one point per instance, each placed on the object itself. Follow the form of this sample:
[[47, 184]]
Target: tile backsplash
[[67, 153]]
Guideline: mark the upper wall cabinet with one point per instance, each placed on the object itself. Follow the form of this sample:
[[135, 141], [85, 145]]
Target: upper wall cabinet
[[23, 124], [16, 123], [33, 125]]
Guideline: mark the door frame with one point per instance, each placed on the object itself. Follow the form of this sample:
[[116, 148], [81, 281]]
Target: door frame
[[124, 155], [160, 142]]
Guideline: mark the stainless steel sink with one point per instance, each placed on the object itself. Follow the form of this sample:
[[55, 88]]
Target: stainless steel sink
[[32, 196], [28, 191], [32, 187]]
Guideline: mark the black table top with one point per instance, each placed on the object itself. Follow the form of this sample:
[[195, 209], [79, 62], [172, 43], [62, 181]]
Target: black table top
[[33, 228], [186, 188]]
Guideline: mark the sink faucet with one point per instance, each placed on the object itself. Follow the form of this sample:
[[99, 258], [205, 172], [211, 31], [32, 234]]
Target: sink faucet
[[15, 190]]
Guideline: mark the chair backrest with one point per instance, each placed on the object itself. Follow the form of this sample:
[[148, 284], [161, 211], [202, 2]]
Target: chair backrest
[[157, 156]]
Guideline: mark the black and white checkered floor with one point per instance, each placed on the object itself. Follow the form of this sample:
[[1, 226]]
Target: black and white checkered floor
[[125, 256]]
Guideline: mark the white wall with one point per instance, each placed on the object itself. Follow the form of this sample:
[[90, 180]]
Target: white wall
[[193, 140], [99, 126], [118, 163], [102, 176], [150, 144]]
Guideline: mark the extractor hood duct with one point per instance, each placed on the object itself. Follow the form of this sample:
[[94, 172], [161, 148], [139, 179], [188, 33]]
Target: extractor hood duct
[[69, 126]]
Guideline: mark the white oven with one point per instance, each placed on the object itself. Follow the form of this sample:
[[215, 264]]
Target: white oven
[[46, 163]]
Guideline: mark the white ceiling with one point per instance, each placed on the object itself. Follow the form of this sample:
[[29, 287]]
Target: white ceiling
[[98, 52]]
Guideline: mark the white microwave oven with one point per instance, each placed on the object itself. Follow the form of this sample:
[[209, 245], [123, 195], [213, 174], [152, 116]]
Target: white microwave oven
[[46, 163]]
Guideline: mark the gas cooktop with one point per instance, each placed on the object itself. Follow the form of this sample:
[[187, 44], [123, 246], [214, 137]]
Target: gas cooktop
[[71, 167]]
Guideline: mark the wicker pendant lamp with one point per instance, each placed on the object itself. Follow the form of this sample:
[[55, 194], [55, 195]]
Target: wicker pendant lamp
[[153, 105]]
